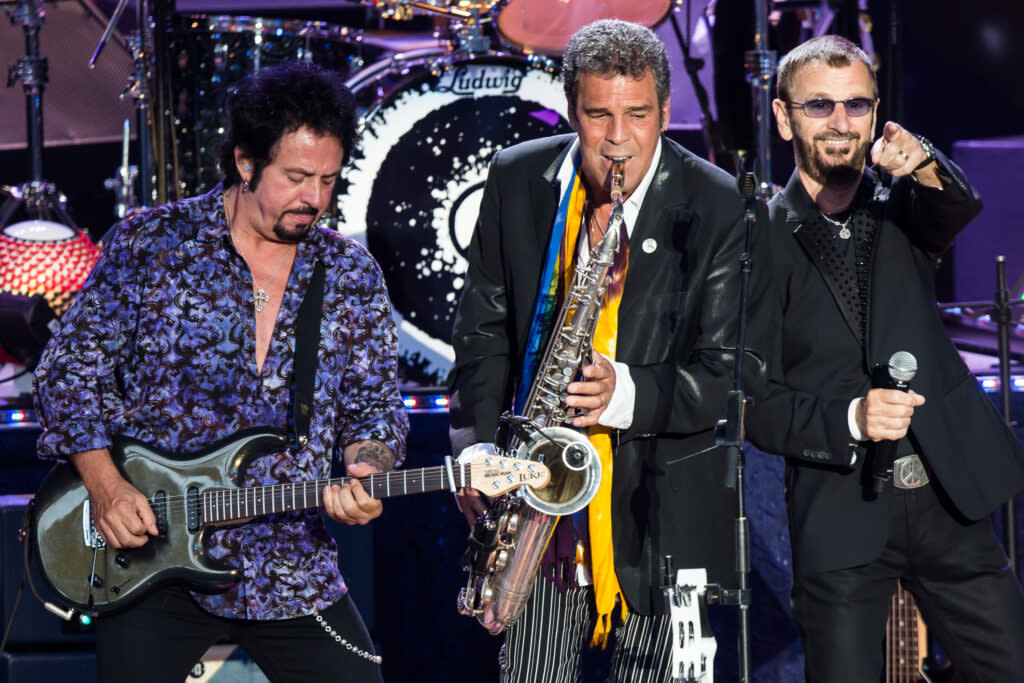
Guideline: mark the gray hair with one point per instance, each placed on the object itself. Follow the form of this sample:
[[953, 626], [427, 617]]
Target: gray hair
[[612, 47], [833, 51]]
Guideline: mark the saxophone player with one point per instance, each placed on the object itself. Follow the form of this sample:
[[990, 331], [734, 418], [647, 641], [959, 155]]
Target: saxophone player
[[661, 364]]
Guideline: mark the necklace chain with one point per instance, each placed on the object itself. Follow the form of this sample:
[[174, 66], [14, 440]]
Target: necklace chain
[[595, 224], [259, 294]]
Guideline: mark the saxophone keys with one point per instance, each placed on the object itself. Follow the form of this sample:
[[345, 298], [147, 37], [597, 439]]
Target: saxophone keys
[[500, 560]]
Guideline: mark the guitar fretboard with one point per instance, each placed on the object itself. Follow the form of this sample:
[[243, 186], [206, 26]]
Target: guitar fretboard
[[228, 505], [903, 652]]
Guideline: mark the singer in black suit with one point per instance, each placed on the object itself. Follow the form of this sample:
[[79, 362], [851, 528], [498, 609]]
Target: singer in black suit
[[844, 277]]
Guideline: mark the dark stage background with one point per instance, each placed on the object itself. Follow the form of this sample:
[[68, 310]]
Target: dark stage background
[[949, 70]]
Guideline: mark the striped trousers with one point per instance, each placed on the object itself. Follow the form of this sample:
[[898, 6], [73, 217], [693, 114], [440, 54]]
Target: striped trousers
[[546, 643]]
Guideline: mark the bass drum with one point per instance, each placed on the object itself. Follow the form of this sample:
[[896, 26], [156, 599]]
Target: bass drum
[[431, 124]]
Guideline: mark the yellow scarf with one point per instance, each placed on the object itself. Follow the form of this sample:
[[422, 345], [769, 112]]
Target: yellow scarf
[[602, 557]]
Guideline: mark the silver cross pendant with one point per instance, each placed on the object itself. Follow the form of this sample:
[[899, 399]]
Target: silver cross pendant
[[259, 298]]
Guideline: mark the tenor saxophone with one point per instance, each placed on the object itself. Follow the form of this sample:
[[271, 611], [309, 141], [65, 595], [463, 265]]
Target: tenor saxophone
[[508, 540]]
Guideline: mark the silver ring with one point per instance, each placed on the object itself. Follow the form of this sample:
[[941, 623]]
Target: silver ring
[[603, 400], [904, 155]]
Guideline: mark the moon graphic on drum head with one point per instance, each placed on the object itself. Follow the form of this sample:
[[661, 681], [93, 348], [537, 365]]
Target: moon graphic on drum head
[[413, 191]]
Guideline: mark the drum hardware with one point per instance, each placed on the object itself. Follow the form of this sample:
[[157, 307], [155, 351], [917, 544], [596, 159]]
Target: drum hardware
[[712, 138], [39, 198], [1001, 314], [465, 25], [693, 646], [140, 44], [123, 184]]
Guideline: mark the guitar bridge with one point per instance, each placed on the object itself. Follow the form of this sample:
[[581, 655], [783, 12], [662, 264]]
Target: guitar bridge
[[90, 537]]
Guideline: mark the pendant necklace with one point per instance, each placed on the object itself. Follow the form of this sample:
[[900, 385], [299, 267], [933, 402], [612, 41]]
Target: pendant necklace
[[844, 231], [259, 294]]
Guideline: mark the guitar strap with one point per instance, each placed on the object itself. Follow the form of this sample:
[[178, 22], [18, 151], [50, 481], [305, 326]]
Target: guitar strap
[[307, 349]]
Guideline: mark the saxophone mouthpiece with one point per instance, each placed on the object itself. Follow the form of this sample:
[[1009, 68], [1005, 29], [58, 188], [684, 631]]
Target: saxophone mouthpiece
[[618, 174]]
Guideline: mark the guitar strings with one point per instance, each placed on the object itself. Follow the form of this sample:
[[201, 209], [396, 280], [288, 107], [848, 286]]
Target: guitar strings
[[431, 474]]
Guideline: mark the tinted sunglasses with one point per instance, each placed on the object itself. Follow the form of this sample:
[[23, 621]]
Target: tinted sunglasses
[[821, 108]]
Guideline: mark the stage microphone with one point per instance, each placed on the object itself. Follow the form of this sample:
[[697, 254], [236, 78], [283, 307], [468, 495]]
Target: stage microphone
[[746, 181], [901, 369]]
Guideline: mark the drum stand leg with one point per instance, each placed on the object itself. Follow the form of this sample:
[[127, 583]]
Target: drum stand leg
[[37, 196]]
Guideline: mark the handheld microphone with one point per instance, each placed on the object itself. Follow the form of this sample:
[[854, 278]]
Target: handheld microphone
[[897, 375]]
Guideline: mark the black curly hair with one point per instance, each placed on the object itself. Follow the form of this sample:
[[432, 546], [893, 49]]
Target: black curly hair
[[279, 100]]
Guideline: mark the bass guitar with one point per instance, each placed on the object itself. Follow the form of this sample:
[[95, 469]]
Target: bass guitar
[[194, 494], [906, 645]]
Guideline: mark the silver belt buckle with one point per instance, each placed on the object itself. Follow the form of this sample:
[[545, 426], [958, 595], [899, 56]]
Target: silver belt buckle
[[908, 472]]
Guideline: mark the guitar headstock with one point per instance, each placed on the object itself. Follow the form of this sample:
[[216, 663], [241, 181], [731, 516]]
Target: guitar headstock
[[494, 475]]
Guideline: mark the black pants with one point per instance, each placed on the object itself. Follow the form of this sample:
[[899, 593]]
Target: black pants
[[957, 573], [162, 637]]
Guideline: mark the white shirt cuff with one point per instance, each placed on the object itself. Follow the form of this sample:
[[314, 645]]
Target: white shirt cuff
[[851, 419], [619, 412], [471, 453]]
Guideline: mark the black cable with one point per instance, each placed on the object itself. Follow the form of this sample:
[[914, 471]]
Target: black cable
[[15, 376], [14, 611]]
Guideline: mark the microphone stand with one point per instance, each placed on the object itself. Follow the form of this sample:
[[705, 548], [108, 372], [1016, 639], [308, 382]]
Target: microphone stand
[[1000, 312], [729, 433], [761, 64]]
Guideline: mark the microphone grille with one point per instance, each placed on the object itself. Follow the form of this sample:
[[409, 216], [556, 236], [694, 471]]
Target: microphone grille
[[747, 184], [902, 366]]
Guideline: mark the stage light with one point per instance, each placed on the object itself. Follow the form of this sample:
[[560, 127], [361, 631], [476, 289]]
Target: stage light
[[10, 419], [47, 258]]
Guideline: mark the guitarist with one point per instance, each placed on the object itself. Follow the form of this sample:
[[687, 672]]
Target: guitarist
[[185, 334]]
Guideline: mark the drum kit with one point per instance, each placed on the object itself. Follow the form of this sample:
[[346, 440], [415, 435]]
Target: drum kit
[[434, 108]]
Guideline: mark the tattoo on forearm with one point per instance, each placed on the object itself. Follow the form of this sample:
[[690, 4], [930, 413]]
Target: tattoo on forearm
[[377, 455]]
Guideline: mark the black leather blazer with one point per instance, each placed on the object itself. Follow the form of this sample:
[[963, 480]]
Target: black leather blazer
[[676, 324], [817, 365]]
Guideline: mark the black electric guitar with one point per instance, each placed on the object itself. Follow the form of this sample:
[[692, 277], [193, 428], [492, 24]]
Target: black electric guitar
[[195, 493]]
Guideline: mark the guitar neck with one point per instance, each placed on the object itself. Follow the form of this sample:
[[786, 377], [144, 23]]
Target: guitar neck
[[230, 505], [905, 639]]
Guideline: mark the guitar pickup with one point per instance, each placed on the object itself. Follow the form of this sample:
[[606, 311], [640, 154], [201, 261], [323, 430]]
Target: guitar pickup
[[159, 504], [192, 509], [90, 537]]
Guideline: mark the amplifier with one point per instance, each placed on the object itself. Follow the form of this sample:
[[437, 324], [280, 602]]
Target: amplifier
[[51, 667]]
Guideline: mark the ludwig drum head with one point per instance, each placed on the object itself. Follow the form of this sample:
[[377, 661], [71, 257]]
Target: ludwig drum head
[[413, 189]]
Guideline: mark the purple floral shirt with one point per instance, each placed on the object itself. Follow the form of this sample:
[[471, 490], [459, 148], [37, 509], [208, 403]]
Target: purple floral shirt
[[160, 345]]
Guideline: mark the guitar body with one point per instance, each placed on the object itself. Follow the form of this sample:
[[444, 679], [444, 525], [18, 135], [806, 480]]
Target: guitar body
[[67, 547]]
